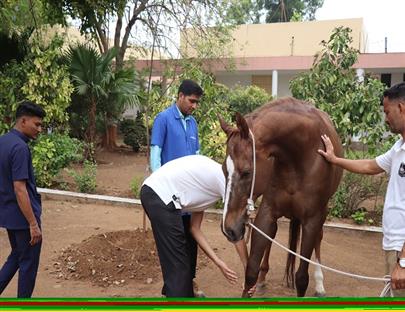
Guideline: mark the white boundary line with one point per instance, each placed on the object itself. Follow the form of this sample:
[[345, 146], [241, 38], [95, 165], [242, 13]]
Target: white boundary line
[[91, 197], [132, 201]]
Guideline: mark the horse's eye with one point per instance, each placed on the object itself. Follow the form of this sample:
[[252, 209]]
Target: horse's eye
[[245, 174]]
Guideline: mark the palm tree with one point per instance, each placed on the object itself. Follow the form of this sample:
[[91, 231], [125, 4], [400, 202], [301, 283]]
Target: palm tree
[[91, 74], [123, 91], [106, 92]]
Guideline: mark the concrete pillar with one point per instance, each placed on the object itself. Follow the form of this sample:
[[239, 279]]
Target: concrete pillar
[[360, 74], [274, 83]]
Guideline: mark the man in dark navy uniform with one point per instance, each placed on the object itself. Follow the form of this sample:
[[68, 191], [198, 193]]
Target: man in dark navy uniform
[[20, 204]]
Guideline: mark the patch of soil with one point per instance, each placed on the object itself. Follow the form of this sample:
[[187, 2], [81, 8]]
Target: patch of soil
[[113, 258], [116, 170]]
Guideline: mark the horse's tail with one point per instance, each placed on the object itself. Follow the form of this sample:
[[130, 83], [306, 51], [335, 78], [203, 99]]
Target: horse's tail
[[294, 237]]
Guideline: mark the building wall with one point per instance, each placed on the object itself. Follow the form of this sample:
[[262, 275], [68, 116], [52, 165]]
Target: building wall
[[286, 39], [232, 80], [283, 84], [396, 78]]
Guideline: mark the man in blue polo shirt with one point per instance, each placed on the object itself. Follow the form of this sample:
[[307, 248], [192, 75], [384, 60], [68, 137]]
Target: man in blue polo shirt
[[174, 135], [20, 204]]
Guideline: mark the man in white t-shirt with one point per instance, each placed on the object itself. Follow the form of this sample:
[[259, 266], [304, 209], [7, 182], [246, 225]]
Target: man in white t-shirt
[[393, 163], [191, 183]]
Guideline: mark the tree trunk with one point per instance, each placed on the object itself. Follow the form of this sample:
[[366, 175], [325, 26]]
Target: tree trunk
[[110, 135], [91, 131]]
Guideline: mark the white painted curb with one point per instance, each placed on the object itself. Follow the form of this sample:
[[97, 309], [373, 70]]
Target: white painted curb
[[58, 194], [88, 197]]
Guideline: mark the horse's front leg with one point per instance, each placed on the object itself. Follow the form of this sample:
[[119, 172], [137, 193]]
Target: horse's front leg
[[258, 246], [264, 269]]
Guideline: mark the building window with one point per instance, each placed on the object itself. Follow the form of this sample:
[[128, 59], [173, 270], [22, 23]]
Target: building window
[[262, 81], [386, 79]]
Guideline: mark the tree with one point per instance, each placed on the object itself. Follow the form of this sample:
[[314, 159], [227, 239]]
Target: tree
[[39, 77], [332, 85], [101, 93], [122, 92], [20, 16], [91, 73], [14, 47], [138, 20], [48, 82], [273, 11], [244, 12]]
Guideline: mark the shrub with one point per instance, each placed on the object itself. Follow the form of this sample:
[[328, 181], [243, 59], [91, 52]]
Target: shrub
[[51, 153], [13, 78], [359, 216], [86, 180], [333, 86], [134, 132], [356, 188], [135, 186], [246, 99]]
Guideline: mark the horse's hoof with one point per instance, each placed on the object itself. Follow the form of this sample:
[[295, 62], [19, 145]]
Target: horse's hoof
[[320, 294], [261, 288]]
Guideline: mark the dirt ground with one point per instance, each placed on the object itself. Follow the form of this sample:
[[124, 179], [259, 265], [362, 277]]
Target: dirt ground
[[96, 250], [115, 170], [70, 225]]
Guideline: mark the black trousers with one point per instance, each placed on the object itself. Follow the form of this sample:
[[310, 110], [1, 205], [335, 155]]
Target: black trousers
[[170, 238], [23, 258], [192, 245]]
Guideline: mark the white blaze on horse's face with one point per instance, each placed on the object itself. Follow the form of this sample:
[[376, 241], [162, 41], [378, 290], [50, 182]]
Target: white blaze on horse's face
[[230, 167]]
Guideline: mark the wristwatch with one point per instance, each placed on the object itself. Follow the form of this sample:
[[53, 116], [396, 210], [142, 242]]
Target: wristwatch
[[401, 262]]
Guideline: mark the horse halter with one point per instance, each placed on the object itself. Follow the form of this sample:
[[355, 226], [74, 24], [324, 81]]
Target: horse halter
[[250, 207]]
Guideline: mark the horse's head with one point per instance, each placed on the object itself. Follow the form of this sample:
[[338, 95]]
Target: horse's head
[[239, 171]]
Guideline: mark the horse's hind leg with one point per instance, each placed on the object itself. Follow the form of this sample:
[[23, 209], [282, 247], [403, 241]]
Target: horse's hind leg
[[318, 275], [311, 231]]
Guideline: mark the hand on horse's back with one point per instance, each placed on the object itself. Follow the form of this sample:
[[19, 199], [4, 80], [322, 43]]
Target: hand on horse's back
[[329, 152]]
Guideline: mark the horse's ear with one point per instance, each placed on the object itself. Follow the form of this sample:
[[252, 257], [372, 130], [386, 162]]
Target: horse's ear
[[242, 126], [224, 125]]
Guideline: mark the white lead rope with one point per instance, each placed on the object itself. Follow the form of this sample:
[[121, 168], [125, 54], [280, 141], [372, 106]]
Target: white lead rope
[[386, 291], [250, 203]]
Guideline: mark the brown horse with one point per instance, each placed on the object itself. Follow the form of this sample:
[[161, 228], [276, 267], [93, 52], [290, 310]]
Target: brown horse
[[295, 180]]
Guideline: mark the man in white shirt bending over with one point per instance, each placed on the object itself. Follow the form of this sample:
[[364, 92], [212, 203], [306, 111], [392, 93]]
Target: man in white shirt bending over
[[191, 183]]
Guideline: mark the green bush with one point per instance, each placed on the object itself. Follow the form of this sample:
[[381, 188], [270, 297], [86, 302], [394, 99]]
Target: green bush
[[135, 186], [86, 180], [359, 216], [13, 78], [333, 86], [246, 99], [355, 189], [134, 132], [51, 153]]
